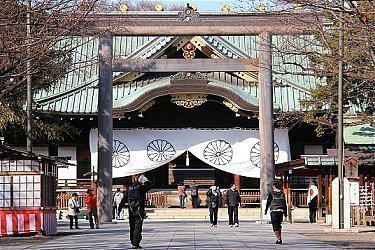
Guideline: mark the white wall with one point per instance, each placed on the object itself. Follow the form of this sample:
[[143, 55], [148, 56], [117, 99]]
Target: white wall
[[71, 171], [67, 152]]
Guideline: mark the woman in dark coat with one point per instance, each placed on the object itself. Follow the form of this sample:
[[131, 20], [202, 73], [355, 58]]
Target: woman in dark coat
[[277, 204], [213, 199]]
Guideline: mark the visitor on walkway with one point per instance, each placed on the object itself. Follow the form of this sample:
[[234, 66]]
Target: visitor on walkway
[[117, 198], [194, 194], [312, 200], [181, 193], [73, 210], [312, 209], [92, 211], [213, 201], [233, 200], [135, 196], [277, 204]]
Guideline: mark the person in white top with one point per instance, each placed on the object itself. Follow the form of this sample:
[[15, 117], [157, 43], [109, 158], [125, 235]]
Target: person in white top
[[117, 197], [73, 210]]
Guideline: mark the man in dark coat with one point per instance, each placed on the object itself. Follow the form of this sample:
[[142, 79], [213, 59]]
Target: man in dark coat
[[232, 200], [137, 213]]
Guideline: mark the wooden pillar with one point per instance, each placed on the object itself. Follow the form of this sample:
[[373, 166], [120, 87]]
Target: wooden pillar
[[266, 131], [286, 191], [329, 195], [105, 128], [320, 195], [237, 181], [289, 199]]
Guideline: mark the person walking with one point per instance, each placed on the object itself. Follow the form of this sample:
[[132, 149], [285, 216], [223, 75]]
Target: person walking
[[73, 210], [232, 200], [181, 193], [194, 194], [277, 205], [135, 196], [312, 209], [312, 201], [117, 198], [92, 210], [213, 201]]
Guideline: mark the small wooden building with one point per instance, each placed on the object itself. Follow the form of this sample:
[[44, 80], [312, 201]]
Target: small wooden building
[[27, 193]]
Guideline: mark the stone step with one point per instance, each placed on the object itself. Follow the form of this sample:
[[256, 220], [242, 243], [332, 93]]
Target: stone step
[[299, 214], [200, 213]]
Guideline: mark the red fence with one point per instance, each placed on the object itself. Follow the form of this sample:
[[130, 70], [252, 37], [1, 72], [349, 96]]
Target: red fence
[[252, 198], [249, 198], [62, 200]]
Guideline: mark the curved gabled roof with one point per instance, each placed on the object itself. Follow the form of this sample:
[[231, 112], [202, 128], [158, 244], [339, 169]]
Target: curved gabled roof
[[77, 93]]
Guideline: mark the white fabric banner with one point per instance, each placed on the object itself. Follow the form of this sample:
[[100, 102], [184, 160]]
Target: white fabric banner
[[236, 151]]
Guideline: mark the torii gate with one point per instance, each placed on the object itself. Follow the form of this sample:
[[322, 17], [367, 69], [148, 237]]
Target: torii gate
[[188, 22]]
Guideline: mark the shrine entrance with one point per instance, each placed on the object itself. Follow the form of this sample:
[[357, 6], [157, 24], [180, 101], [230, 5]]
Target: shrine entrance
[[187, 23]]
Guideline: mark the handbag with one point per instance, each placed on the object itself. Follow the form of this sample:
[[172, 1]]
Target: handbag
[[77, 210], [213, 204]]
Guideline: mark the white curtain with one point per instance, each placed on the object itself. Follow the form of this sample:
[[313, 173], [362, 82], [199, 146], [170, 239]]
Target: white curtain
[[232, 150]]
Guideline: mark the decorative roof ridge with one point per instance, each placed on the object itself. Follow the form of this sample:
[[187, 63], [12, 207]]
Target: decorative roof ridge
[[245, 96]]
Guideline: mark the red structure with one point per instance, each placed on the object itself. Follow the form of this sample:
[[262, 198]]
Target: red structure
[[27, 193]]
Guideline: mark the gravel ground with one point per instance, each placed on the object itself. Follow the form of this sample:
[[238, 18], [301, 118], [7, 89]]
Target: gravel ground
[[364, 239], [361, 240]]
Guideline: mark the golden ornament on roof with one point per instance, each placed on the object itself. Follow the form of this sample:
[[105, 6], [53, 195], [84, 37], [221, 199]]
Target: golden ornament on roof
[[123, 7], [159, 7], [225, 7], [262, 7]]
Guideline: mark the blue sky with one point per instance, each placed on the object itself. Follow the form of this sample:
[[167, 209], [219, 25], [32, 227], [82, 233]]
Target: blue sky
[[202, 5]]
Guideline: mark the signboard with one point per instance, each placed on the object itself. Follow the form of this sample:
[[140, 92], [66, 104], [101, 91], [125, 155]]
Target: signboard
[[354, 193], [351, 168]]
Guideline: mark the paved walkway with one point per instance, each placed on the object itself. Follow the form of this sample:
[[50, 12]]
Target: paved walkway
[[177, 235]]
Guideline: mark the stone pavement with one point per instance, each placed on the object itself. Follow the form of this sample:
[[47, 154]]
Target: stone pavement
[[175, 235]]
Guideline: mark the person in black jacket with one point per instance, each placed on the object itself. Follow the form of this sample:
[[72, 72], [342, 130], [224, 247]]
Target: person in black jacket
[[232, 200], [312, 209], [213, 201], [136, 213], [277, 204]]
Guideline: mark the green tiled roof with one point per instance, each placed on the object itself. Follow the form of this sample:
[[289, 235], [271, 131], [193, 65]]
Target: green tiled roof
[[78, 93], [360, 134]]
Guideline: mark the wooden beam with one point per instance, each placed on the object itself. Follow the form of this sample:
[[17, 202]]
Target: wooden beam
[[185, 65], [167, 23]]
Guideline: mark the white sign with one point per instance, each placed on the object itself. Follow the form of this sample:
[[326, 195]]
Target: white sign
[[354, 193]]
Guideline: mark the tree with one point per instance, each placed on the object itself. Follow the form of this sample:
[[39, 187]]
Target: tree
[[51, 21], [321, 48]]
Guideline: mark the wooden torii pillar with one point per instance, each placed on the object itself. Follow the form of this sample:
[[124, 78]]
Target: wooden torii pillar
[[266, 128], [105, 128]]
